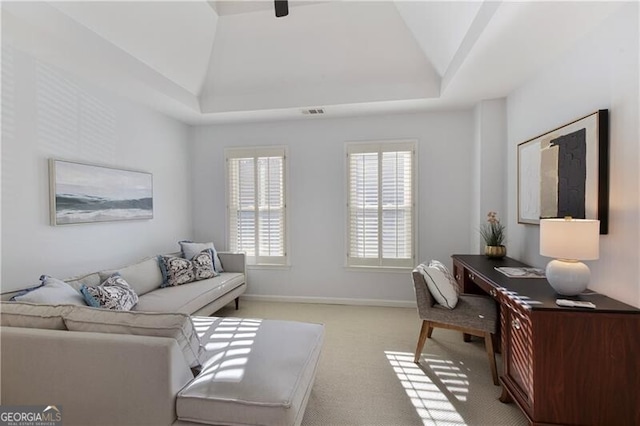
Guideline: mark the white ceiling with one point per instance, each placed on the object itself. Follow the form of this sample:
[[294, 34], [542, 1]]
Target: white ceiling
[[222, 61]]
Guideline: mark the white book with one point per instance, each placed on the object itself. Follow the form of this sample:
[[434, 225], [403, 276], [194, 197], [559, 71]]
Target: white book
[[525, 272]]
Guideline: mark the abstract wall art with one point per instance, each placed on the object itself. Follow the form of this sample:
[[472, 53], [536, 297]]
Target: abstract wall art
[[85, 193], [565, 172]]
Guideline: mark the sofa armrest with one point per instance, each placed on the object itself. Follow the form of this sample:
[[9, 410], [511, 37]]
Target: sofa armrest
[[97, 377], [233, 262]]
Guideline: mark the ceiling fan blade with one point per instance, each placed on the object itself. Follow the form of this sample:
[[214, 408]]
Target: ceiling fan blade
[[282, 8]]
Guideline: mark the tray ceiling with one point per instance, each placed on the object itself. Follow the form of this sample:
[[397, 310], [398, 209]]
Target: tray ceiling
[[222, 61]]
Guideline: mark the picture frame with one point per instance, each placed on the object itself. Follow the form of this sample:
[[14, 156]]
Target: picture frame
[[565, 172], [91, 193]]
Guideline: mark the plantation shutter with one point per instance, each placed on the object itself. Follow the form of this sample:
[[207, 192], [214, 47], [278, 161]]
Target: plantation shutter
[[256, 204], [380, 204]]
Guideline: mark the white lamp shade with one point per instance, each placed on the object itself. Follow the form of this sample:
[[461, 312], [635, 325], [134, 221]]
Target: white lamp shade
[[575, 239]]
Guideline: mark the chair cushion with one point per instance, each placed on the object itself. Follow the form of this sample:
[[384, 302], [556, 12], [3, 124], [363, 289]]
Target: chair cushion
[[473, 311], [256, 372], [440, 286]]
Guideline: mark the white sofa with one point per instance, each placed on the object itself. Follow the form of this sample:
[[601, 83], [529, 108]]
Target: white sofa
[[131, 372], [196, 298], [255, 372]]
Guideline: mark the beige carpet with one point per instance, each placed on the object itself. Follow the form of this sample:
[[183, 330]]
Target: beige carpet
[[367, 376]]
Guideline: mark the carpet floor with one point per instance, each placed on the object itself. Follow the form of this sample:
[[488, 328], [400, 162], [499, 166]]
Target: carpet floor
[[366, 374]]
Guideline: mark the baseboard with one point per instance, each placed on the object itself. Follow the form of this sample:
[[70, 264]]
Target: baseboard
[[331, 300]]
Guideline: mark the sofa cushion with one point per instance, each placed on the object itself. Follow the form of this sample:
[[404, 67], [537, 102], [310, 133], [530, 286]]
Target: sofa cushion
[[190, 249], [90, 280], [178, 270], [31, 315], [143, 277], [189, 298], [174, 325], [256, 372], [114, 293], [52, 291]]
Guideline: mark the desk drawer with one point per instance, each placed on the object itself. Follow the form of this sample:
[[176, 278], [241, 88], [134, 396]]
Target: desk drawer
[[517, 346], [484, 285], [469, 282]]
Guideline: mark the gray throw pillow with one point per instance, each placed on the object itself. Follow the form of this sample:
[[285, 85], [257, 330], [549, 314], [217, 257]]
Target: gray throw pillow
[[114, 294]]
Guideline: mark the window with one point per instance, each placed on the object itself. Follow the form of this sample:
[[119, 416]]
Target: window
[[256, 203], [381, 204]]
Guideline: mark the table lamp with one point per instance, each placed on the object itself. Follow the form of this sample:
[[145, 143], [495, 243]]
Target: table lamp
[[569, 241]]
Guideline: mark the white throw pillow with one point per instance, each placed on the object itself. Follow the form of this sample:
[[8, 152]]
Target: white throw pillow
[[439, 286], [51, 292], [442, 268], [174, 325]]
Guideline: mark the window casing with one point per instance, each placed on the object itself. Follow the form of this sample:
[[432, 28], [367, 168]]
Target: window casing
[[381, 204], [256, 204]]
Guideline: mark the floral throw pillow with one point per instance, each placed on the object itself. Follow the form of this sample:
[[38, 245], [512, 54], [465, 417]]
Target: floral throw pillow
[[204, 265], [178, 270], [189, 249], [114, 293]]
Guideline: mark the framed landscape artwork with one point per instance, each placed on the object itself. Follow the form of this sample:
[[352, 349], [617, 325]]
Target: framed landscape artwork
[[85, 193], [565, 172]]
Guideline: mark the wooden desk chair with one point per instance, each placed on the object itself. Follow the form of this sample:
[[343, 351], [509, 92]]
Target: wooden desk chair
[[475, 315]]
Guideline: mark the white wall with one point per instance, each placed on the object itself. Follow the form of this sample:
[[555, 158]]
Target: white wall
[[600, 72], [48, 113], [489, 165], [317, 198]]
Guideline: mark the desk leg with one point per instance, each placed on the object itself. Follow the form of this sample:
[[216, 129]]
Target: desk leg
[[505, 398]]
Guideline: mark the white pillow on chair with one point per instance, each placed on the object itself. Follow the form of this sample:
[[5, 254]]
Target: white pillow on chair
[[441, 267], [440, 286]]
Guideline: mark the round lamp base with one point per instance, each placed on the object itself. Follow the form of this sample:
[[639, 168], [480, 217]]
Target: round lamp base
[[568, 277]]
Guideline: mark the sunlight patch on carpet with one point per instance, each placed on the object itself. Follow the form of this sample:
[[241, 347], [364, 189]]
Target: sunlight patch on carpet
[[433, 404]]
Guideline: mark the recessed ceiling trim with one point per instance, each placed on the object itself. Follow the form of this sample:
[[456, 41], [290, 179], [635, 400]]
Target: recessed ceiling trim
[[480, 22]]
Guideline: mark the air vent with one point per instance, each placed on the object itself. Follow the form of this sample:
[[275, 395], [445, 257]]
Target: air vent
[[313, 111]]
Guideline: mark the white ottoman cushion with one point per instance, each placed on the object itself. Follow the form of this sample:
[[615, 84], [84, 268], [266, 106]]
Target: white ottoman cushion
[[257, 372]]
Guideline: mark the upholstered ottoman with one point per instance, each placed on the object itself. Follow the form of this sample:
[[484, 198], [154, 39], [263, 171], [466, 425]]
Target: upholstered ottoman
[[257, 372]]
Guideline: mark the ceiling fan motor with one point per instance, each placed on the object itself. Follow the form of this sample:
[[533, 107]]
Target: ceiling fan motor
[[282, 8]]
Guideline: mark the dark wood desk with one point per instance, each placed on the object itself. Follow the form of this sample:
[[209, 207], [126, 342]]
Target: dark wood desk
[[563, 366]]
